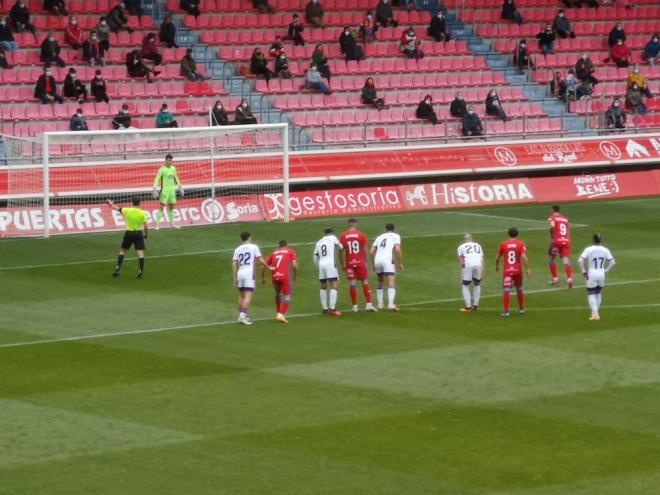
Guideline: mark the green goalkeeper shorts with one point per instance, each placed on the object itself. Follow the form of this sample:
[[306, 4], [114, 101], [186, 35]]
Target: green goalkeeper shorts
[[168, 197]]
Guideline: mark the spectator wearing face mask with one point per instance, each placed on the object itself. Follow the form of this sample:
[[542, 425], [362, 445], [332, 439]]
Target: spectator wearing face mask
[[276, 48], [493, 106], [73, 35], [321, 62], [620, 53], [243, 114], [263, 6], [7, 42], [219, 114], [150, 50], [408, 44], [385, 14], [282, 66], [471, 125], [50, 52], [370, 95], [134, 7], [313, 80], [122, 120], [425, 110], [562, 26], [349, 45], [510, 12], [615, 117], [259, 65], [165, 119], [294, 31], [74, 87], [103, 32], [546, 40], [521, 57], [458, 107], [635, 100], [20, 18], [46, 88], [93, 51], [99, 87], [652, 50], [118, 19], [191, 7], [188, 67], [617, 33], [137, 68], [55, 7], [314, 13], [438, 28], [78, 122], [167, 32], [368, 28], [584, 69], [636, 77]]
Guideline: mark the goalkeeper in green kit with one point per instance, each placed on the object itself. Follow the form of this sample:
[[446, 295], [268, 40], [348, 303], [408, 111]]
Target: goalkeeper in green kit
[[170, 185]]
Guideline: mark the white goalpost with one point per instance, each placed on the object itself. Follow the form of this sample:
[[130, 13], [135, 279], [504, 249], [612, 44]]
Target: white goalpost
[[58, 184]]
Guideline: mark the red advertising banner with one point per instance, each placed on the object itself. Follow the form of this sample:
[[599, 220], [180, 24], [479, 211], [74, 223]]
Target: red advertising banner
[[597, 186]]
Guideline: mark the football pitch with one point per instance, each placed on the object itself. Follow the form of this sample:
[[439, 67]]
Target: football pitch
[[126, 386]]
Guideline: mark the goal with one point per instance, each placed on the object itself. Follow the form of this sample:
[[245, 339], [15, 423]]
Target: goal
[[59, 184]]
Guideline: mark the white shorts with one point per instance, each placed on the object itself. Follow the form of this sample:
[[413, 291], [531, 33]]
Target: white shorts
[[471, 273], [385, 268], [595, 281], [246, 282], [328, 272]]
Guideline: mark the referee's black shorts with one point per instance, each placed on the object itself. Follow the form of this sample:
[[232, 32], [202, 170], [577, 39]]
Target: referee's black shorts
[[133, 238]]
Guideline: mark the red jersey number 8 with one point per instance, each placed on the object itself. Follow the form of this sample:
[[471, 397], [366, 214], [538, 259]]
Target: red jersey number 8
[[511, 258]]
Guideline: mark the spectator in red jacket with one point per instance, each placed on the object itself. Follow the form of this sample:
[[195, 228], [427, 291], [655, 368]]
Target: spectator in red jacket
[[93, 51], [276, 48], [409, 45], [73, 35], [368, 28], [150, 50], [55, 7], [619, 54]]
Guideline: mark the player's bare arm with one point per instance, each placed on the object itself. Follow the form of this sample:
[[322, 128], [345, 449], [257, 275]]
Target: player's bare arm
[[294, 264], [525, 263], [265, 265], [146, 230], [372, 255], [399, 255], [234, 269], [497, 262], [113, 206]]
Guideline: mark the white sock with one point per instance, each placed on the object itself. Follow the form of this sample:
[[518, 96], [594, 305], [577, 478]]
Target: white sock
[[324, 299], [391, 293], [466, 295], [333, 299], [599, 299], [477, 294], [379, 296], [593, 304]]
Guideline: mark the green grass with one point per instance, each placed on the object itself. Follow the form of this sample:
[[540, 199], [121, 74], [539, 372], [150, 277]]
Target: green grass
[[122, 386]]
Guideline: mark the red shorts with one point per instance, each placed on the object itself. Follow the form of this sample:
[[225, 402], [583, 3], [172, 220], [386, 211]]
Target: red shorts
[[562, 249], [512, 279], [282, 285], [357, 271]]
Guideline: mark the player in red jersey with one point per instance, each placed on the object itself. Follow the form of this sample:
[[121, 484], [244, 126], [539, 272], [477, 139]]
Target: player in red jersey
[[560, 244], [281, 260], [355, 247], [514, 253]]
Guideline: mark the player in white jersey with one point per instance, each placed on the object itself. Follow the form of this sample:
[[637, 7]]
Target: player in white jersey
[[385, 250], [244, 267], [325, 260], [471, 259], [599, 261]]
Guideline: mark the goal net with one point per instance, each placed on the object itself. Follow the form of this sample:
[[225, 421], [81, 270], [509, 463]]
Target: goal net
[[66, 177]]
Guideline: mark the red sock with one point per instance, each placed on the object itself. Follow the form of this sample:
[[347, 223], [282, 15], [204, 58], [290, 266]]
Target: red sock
[[521, 299], [353, 291], [553, 270], [569, 270], [506, 300], [278, 303], [284, 307], [367, 292]]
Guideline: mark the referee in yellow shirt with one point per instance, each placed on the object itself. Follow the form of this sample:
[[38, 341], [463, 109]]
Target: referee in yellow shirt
[[136, 220]]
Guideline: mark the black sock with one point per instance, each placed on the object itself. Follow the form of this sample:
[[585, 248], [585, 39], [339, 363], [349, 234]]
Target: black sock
[[120, 260], [141, 262]]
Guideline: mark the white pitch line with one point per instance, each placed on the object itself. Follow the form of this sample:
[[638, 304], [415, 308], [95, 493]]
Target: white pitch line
[[552, 308], [302, 315]]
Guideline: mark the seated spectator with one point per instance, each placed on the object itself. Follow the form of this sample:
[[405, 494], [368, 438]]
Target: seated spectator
[[558, 86], [134, 7], [617, 33], [510, 12], [370, 96], [276, 48], [408, 44], [118, 19], [4, 64], [471, 125], [546, 40], [313, 80], [165, 119], [123, 119], [74, 87], [219, 114], [150, 50], [294, 33], [636, 77], [584, 90], [493, 106], [73, 35], [50, 52], [7, 37], [521, 57], [635, 100], [425, 110], [259, 65], [368, 28], [584, 69], [349, 45], [652, 50], [385, 14], [78, 122], [46, 88], [191, 7], [103, 32], [571, 84], [137, 68], [243, 114], [438, 28], [263, 6], [20, 18], [167, 33], [282, 67], [562, 26], [189, 67], [578, 3], [319, 59], [55, 7], [99, 88], [314, 13], [458, 108], [619, 54], [615, 117], [93, 51]]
